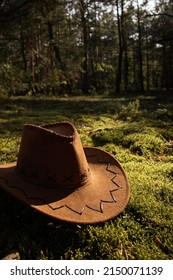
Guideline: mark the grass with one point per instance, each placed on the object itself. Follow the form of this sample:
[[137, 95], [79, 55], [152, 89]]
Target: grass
[[138, 132]]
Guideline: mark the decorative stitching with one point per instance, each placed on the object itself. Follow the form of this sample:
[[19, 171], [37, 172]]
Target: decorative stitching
[[101, 208], [75, 211], [68, 178], [28, 172], [50, 178]]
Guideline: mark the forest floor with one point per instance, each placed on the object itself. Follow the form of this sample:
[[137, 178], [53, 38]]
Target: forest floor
[[139, 133]]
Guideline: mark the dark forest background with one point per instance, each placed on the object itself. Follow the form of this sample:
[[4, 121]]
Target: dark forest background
[[85, 47], [107, 67]]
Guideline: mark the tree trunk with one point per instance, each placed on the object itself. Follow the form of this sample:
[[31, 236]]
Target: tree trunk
[[56, 57], [83, 10], [126, 67], [141, 77], [22, 46], [148, 65], [120, 20], [54, 48]]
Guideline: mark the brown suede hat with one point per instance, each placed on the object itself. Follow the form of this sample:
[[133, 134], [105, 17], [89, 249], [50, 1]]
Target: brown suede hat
[[57, 176]]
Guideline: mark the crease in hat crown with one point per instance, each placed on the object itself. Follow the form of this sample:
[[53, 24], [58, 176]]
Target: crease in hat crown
[[52, 156]]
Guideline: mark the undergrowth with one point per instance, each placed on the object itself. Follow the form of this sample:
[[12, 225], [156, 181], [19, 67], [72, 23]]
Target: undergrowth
[[140, 137]]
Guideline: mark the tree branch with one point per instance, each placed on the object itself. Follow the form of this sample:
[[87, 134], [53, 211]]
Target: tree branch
[[159, 14]]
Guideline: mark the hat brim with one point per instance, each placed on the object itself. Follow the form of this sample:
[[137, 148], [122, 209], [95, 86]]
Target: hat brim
[[103, 198]]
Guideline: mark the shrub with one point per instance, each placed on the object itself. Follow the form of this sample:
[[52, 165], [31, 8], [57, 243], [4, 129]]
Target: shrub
[[131, 111]]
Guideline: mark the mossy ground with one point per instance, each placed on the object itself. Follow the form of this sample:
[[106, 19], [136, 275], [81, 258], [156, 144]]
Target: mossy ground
[[139, 133]]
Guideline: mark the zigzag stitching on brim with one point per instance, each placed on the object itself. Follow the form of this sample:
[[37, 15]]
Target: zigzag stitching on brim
[[100, 210]]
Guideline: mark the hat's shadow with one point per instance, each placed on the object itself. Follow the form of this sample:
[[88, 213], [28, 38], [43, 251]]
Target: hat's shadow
[[31, 233]]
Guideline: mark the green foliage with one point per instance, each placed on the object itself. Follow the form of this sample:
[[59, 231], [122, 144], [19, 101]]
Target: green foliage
[[65, 48], [131, 111], [12, 80], [144, 230]]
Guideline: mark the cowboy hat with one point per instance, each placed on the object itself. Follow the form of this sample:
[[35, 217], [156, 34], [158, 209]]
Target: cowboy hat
[[57, 176]]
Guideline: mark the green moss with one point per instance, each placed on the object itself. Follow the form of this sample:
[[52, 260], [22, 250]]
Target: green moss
[[108, 135], [140, 137], [122, 154], [140, 140], [9, 148], [86, 140], [149, 181], [145, 144]]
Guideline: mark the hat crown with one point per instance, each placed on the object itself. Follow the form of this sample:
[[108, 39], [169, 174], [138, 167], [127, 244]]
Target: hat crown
[[52, 156]]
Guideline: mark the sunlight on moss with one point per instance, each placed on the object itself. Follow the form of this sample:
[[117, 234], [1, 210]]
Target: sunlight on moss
[[141, 141], [122, 154], [151, 192], [9, 148], [143, 145]]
